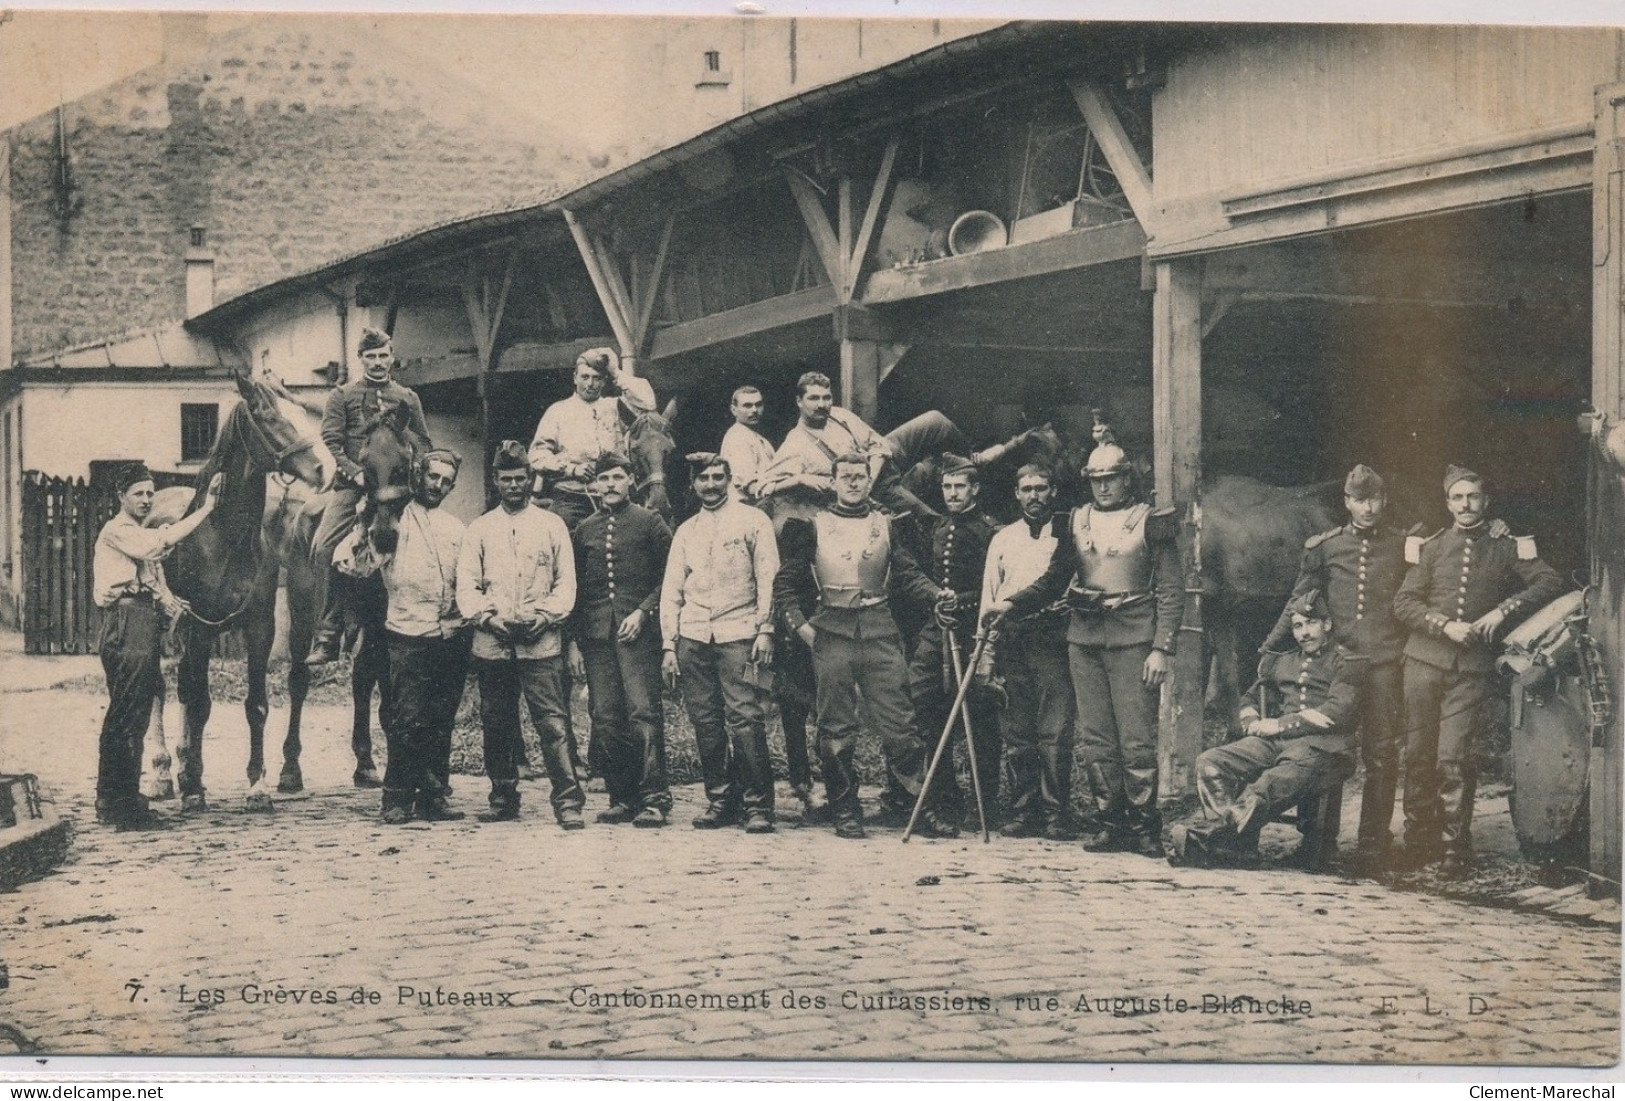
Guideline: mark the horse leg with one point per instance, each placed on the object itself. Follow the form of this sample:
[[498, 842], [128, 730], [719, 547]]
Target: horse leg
[[192, 686], [160, 781], [301, 626], [258, 627]]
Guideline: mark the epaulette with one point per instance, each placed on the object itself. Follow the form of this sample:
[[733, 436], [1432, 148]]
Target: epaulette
[[1162, 525], [1316, 540], [1413, 545]]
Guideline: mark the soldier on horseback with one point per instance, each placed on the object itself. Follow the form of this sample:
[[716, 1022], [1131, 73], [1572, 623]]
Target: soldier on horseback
[[351, 412], [576, 432]]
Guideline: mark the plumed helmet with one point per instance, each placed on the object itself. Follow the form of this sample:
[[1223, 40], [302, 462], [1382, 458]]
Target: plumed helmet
[[1106, 460]]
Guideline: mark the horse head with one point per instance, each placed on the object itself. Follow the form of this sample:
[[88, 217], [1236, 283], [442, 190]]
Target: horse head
[[273, 444], [649, 443], [390, 462]]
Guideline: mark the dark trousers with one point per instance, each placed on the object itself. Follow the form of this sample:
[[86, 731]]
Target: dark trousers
[[338, 520], [875, 667], [729, 715], [623, 689], [1117, 734], [924, 437], [1037, 724], [1382, 733], [426, 679], [932, 692], [540, 681], [795, 688], [1443, 710], [131, 644], [1280, 772]]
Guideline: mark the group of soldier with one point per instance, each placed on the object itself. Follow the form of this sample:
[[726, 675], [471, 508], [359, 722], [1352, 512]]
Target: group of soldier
[[1044, 641]]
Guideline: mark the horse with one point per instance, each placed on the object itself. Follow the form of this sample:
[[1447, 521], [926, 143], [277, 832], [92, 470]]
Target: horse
[[228, 579], [650, 443]]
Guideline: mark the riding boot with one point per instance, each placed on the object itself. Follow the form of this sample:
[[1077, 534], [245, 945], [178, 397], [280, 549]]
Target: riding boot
[[325, 644], [1110, 828]]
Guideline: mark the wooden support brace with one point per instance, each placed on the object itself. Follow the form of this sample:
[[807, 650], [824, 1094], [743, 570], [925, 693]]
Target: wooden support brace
[[1125, 163], [818, 225], [613, 310]]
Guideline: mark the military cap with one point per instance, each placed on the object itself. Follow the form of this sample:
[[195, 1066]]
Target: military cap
[[957, 464], [1311, 605], [131, 474], [372, 338], [612, 460], [1363, 483], [1454, 474], [510, 455]]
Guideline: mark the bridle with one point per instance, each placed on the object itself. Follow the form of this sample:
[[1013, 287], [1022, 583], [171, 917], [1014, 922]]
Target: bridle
[[264, 452]]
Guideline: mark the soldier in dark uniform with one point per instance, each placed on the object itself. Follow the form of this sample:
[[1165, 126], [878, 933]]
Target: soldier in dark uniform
[[620, 554], [1464, 586], [1118, 567], [1359, 567], [951, 593], [351, 410], [1297, 726], [857, 557]]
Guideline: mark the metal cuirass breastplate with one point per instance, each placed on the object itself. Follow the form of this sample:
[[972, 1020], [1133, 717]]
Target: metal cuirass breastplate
[[852, 559], [1112, 553]]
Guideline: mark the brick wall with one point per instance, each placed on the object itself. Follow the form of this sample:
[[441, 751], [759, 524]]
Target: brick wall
[[293, 147]]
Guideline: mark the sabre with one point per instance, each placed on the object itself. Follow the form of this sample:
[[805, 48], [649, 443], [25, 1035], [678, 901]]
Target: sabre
[[983, 636], [970, 736]]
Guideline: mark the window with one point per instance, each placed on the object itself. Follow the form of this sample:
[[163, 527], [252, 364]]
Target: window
[[199, 424], [712, 73]]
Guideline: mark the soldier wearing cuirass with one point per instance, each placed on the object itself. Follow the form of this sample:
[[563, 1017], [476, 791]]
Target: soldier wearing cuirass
[[858, 560], [1118, 567]]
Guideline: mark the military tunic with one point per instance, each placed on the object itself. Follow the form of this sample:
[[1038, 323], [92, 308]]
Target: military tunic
[[1119, 570], [1457, 575], [1359, 570], [958, 543]]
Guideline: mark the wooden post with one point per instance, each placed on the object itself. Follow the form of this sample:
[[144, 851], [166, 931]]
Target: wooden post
[[1608, 398], [1176, 387]]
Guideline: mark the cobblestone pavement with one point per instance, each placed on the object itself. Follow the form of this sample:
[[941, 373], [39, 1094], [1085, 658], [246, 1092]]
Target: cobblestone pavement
[[520, 940]]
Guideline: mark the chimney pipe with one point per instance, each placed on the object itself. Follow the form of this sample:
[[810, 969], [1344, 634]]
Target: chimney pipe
[[199, 274]]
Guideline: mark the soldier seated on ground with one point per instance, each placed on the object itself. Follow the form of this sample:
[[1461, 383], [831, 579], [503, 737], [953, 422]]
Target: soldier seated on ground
[[1297, 724]]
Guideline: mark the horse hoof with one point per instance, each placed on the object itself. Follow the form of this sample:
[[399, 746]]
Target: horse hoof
[[367, 778], [290, 782], [160, 790], [257, 802], [194, 804]]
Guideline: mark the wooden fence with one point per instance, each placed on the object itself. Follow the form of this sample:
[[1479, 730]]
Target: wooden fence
[[61, 519]]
